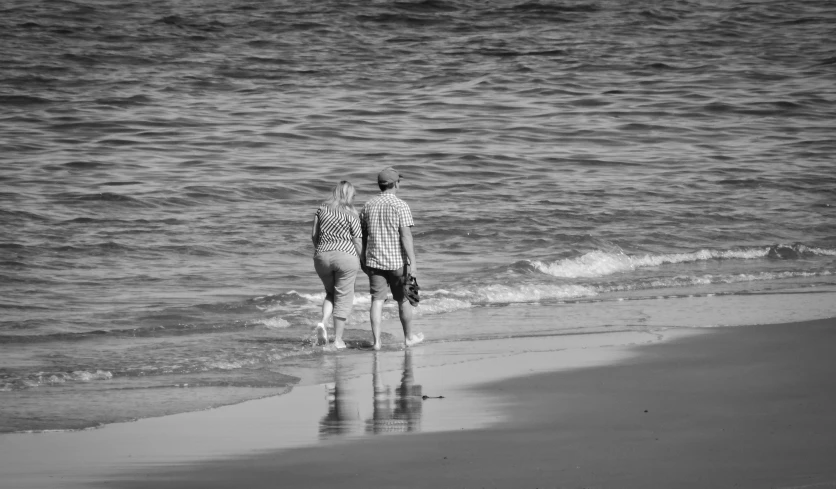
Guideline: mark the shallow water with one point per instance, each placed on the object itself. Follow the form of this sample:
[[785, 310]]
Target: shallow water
[[161, 164]]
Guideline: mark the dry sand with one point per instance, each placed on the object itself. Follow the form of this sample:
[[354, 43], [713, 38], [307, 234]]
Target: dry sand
[[745, 407]]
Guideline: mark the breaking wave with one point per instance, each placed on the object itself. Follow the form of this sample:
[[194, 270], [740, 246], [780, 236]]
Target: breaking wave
[[601, 263]]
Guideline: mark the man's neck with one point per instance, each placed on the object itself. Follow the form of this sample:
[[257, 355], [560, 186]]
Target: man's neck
[[393, 191]]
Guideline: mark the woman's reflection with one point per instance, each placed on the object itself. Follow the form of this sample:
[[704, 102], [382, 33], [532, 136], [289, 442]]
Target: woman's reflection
[[343, 413]]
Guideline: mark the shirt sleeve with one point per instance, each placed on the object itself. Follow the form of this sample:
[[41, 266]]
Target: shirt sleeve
[[404, 215]]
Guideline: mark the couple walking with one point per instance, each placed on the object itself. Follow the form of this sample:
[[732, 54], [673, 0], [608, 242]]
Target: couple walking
[[377, 240]]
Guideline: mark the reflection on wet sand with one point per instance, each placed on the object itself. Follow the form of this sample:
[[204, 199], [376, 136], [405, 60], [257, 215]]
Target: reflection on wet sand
[[343, 412], [406, 415], [395, 410]]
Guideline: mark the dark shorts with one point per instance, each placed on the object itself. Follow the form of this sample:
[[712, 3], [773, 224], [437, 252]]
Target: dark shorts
[[381, 280]]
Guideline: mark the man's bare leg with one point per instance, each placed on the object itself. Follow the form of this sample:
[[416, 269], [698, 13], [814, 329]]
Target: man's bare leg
[[405, 312], [375, 317]]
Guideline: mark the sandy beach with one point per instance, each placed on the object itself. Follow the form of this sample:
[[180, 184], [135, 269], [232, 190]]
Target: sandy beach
[[747, 407], [740, 407]]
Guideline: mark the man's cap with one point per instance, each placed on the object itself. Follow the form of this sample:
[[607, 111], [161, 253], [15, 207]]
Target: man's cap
[[388, 175]]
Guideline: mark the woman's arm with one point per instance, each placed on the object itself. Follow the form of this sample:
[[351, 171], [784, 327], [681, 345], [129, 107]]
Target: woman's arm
[[315, 231], [358, 245]]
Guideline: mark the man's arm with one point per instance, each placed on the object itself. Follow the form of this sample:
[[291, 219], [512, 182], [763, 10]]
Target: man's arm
[[406, 242]]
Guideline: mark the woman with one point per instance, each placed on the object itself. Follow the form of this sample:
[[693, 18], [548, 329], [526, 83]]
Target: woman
[[337, 237]]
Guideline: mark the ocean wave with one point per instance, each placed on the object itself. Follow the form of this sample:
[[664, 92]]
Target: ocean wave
[[443, 301], [601, 263], [798, 250], [709, 279], [155, 331], [441, 305], [23, 100], [500, 294], [448, 300]]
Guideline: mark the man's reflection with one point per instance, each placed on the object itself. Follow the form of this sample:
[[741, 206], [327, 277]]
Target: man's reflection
[[406, 415], [393, 411]]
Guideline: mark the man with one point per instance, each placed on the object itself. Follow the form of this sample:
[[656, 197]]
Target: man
[[388, 254]]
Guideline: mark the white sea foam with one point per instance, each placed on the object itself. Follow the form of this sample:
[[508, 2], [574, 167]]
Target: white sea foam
[[709, 279], [592, 264], [362, 299], [530, 292], [822, 251], [84, 376], [315, 297], [224, 365], [45, 378], [274, 322], [599, 263], [442, 305]]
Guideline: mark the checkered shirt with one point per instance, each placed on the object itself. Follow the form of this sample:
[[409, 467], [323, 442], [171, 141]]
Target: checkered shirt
[[381, 219]]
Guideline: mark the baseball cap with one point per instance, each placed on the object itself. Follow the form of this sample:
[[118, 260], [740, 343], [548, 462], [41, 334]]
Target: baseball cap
[[388, 175]]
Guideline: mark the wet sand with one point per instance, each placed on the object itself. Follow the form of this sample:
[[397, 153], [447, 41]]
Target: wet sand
[[746, 407]]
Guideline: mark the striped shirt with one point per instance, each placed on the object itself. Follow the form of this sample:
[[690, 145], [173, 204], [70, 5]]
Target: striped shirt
[[336, 230], [381, 219]]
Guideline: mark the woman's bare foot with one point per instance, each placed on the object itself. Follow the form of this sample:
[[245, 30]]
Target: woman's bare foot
[[321, 334], [339, 344]]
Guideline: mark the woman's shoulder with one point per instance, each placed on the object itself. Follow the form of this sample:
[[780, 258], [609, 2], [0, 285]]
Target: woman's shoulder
[[325, 210]]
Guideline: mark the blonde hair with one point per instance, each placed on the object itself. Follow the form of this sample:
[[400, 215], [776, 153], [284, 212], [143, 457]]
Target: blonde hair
[[342, 198]]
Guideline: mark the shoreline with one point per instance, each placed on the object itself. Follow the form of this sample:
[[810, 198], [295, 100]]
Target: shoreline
[[537, 404], [300, 418]]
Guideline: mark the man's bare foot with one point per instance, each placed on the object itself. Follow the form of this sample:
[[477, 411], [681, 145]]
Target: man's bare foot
[[321, 334], [376, 346], [414, 339], [339, 344]]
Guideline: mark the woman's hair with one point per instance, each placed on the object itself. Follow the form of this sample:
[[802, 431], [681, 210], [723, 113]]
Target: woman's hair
[[342, 198]]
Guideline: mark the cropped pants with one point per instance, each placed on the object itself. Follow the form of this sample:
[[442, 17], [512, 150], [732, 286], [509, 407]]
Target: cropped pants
[[337, 270]]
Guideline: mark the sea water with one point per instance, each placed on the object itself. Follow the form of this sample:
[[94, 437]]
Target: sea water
[[572, 167]]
